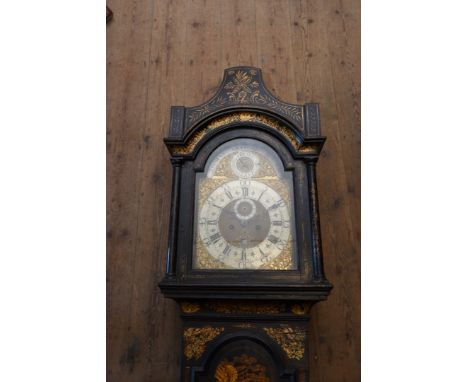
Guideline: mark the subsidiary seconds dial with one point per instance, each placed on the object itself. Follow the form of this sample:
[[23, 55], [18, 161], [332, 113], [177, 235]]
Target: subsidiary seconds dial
[[244, 223]]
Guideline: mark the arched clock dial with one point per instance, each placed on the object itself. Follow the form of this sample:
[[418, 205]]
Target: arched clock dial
[[244, 210], [244, 224]]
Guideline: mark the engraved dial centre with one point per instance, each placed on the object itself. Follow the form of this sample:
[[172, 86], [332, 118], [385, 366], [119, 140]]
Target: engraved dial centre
[[244, 223]]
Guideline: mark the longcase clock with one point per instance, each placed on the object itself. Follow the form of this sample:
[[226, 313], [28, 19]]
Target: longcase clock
[[244, 257]]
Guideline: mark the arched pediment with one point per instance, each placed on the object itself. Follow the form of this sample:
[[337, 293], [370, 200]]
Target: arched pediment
[[242, 93]]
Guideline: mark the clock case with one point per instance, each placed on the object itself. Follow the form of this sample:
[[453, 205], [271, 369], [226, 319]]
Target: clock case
[[243, 108], [221, 307]]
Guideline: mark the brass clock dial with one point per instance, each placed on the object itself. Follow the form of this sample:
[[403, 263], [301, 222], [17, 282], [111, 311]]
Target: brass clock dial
[[244, 210]]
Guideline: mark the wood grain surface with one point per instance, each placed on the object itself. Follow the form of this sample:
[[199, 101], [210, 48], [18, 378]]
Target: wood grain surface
[[162, 53]]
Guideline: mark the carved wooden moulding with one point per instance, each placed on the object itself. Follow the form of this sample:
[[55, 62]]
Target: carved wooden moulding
[[244, 257]]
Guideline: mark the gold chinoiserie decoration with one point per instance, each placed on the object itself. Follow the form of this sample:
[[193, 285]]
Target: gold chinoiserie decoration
[[225, 372], [240, 90], [243, 117], [242, 368], [189, 307], [291, 340], [195, 340], [300, 309]]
